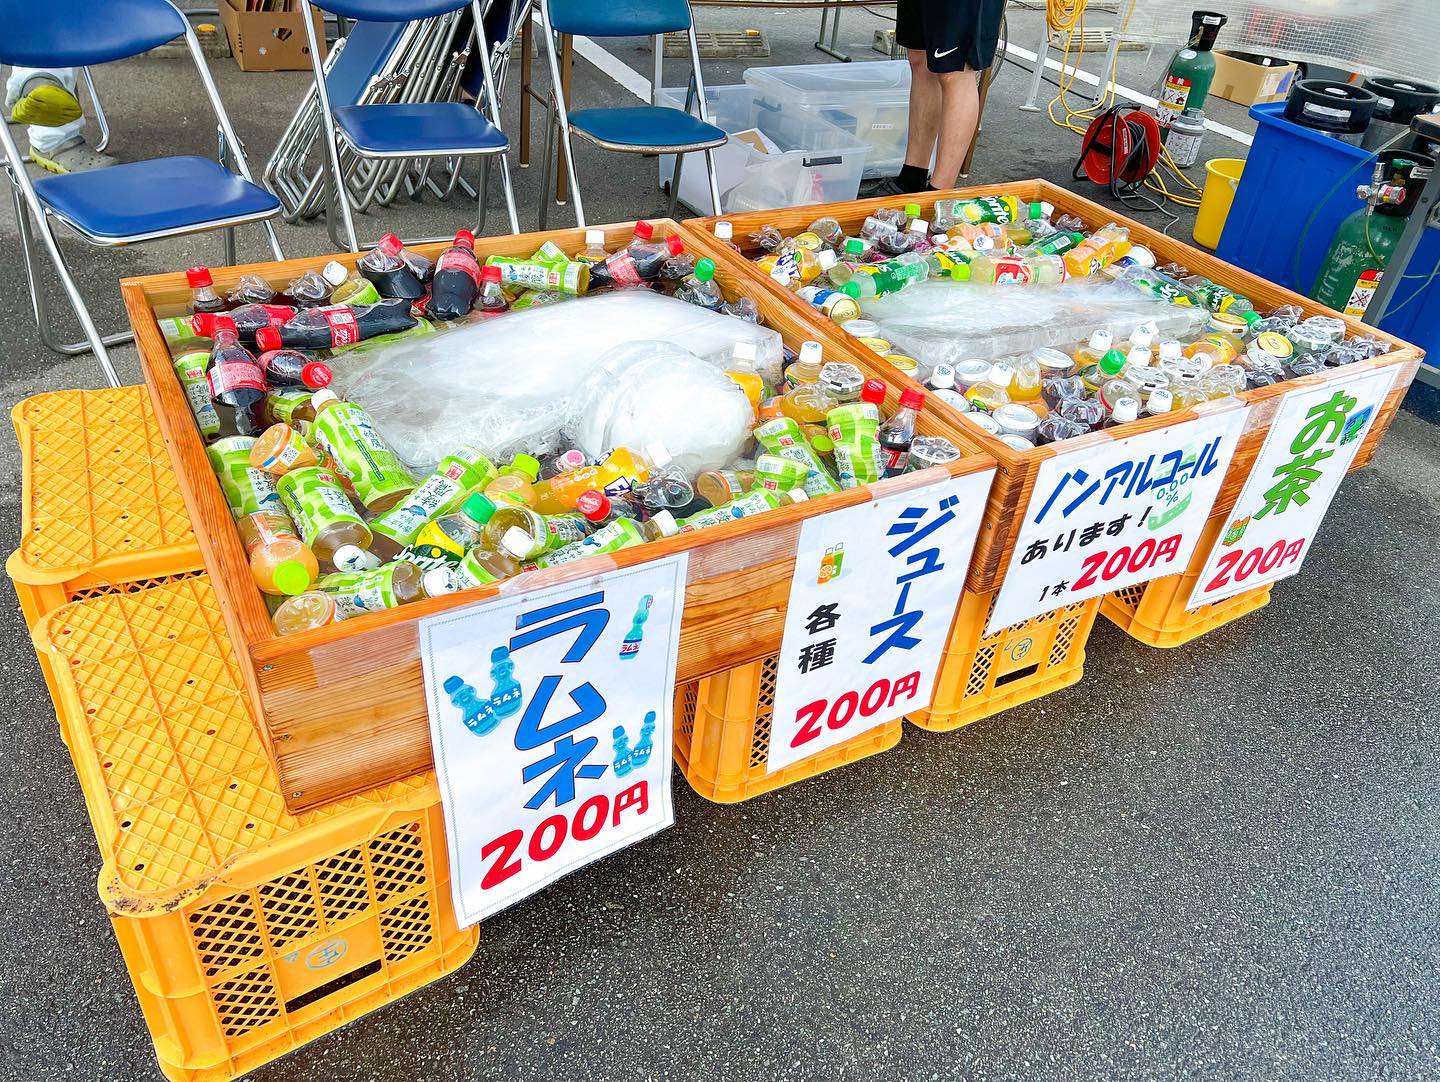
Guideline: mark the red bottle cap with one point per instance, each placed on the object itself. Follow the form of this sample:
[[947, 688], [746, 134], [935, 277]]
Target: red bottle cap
[[266, 338], [466, 238], [644, 230], [674, 244], [873, 391], [912, 398], [199, 276], [593, 505], [490, 274], [203, 324], [315, 375], [389, 244], [221, 323]]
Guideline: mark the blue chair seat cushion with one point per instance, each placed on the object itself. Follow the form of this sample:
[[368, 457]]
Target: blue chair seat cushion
[[645, 126], [160, 195], [440, 127]]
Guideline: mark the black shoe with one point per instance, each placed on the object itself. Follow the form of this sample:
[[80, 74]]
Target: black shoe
[[884, 188]]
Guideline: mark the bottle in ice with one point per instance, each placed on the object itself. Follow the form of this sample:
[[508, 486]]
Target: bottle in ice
[[457, 474], [203, 297], [399, 583], [306, 611], [280, 449], [347, 287], [280, 562], [237, 383], [620, 471], [515, 483], [326, 519], [700, 288], [347, 432], [456, 282], [640, 261], [491, 301], [333, 326], [291, 368], [898, 432], [386, 268], [448, 537]]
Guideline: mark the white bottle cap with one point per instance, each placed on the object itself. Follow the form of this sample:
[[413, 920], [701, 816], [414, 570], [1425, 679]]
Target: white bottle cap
[[797, 495], [1101, 340], [517, 543], [353, 558], [921, 226], [724, 231], [1046, 209], [320, 398], [658, 454], [595, 238], [954, 399], [437, 581], [1139, 357], [1126, 410], [942, 376], [1161, 401], [810, 353], [1171, 350], [826, 259], [334, 273], [743, 351], [1001, 373], [664, 522], [1141, 338]]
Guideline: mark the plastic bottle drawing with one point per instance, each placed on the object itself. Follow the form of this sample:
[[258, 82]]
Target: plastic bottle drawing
[[477, 712], [506, 696], [630, 647]]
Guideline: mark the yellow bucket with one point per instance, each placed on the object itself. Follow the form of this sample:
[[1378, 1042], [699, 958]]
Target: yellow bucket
[[1221, 177]]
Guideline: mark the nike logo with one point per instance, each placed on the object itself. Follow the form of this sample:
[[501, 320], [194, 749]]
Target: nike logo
[[947, 52]]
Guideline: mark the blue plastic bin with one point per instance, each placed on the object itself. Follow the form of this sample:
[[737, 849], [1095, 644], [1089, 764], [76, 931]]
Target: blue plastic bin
[[1289, 172]]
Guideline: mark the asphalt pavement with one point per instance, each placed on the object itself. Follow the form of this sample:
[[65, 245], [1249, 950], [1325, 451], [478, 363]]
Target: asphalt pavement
[[1218, 861]]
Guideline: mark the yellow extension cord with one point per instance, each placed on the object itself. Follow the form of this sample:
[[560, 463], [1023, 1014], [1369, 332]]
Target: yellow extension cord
[[1069, 16]]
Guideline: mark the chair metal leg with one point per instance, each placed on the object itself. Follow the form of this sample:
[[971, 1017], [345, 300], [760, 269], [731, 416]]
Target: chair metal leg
[[714, 184], [100, 120], [675, 186], [509, 186], [481, 198], [229, 238]]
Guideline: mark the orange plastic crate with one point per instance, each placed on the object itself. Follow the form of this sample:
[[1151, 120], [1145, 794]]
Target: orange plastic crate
[[1154, 612], [247, 930], [980, 676], [722, 736]]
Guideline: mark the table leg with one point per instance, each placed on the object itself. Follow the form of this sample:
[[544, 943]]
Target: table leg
[[525, 46], [832, 18]]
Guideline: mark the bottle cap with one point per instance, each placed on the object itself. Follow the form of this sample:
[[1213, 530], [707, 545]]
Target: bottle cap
[[223, 323], [1046, 209], [704, 270], [854, 246], [517, 543], [1171, 350], [851, 290], [810, 353], [316, 375], [1113, 363], [1161, 401], [390, 244], [644, 230], [912, 210], [595, 238], [478, 507], [1251, 317], [873, 391], [266, 338], [203, 324], [491, 273], [465, 238], [942, 376], [572, 459], [593, 505], [199, 276], [912, 398], [527, 464], [724, 231], [1001, 374], [1139, 356], [797, 495], [821, 444], [437, 581], [674, 244], [664, 523], [657, 454], [825, 258], [334, 273], [921, 226], [1142, 335], [291, 577], [1126, 410], [320, 398], [1100, 341], [352, 558]]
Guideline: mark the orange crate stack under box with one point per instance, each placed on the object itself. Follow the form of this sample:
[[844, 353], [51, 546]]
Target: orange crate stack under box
[[1154, 612], [722, 736], [247, 930]]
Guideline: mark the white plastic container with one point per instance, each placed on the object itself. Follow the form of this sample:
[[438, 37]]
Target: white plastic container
[[794, 159], [870, 101]]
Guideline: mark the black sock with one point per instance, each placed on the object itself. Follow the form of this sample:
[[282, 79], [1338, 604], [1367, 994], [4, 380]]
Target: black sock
[[912, 178]]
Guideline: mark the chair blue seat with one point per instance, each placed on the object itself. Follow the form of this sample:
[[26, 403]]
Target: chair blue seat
[[423, 128], [646, 126], [160, 195]]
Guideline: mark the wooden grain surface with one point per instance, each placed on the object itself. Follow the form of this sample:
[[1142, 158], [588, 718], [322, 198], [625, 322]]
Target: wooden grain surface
[[344, 706], [1017, 470]]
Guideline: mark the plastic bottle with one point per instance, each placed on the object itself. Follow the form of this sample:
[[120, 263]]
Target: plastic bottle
[[806, 367], [248, 319], [203, 297], [1057, 243], [374, 590], [252, 289], [525, 534], [754, 502], [1017, 270], [841, 381], [1090, 353], [594, 250], [304, 612], [1097, 251], [334, 326], [700, 288], [237, 383], [280, 449], [619, 471], [386, 268], [783, 436], [448, 537], [456, 475], [515, 483], [1109, 367], [718, 487], [456, 282], [623, 533], [291, 368], [347, 432], [287, 406], [347, 287], [1025, 385], [898, 432], [190, 369], [1160, 401], [309, 289], [639, 261], [280, 562], [326, 518], [479, 567]]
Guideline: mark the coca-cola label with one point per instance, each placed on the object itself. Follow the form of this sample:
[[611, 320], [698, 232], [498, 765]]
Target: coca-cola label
[[344, 330], [622, 269], [230, 376], [459, 260]]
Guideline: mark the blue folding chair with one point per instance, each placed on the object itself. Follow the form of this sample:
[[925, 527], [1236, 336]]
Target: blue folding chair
[[128, 203], [440, 129], [639, 129]]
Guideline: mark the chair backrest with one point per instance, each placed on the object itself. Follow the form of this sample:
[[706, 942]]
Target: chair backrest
[[389, 11], [623, 19], [78, 33], [366, 55]]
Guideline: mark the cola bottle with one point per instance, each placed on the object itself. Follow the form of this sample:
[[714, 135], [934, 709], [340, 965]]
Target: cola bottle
[[456, 283], [237, 383], [386, 269], [337, 325]]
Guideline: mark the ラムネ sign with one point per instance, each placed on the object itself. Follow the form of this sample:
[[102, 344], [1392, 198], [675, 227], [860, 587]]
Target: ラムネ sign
[[550, 716], [1316, 435], [1116, 512], [871, 604]]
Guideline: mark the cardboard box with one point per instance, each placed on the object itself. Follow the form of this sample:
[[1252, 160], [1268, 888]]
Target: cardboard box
[[269, 40], [1239, 79]]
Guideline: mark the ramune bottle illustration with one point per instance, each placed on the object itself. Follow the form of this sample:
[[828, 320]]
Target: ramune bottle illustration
[[624, 757], [506, 697], [631, 646], [477, 712], [640, 754]]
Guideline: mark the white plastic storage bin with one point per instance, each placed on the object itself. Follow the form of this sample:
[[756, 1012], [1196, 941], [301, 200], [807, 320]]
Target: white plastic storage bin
[[871, 101], [806, 160]]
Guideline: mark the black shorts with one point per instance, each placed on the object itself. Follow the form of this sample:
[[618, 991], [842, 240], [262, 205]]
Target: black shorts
[[955, 34]]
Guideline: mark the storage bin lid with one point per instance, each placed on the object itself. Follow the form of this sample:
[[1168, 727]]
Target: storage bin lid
[[880, 82]]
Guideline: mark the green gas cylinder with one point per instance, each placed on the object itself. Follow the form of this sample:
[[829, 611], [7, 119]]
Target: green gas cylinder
[[1186, 83], [1362, 246]]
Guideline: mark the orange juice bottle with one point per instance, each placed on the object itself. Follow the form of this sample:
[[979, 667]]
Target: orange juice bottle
[[515, 483], [280, 562], [1097, 251], [621, 470], [1025, 384], [280, 449]]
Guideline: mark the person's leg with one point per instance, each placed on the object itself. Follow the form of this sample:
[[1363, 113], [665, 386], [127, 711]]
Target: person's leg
[[44, 98], [959, 117], [925, 121]]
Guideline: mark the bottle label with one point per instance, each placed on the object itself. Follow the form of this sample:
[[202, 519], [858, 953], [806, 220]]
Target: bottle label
[[434, 543], [453, 259], [191, 370], [360, 591], [563, 529], [1013, 271], [237, 375], [623, 271], [472, 572], [620, 534], [281, 405], [752, 503], [344, 329], [550, 252], [315, 501], [894, 457], [440, 494], [286, 454], [376, 471], [247, 490]]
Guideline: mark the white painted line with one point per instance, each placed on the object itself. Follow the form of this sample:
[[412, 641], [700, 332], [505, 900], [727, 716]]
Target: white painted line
[[1124, 91], [607, 62]]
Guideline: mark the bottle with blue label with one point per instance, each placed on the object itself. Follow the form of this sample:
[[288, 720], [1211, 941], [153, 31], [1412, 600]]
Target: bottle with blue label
[[624, 757], [645, 746], [506, 697], [631, 646], [477, 712]]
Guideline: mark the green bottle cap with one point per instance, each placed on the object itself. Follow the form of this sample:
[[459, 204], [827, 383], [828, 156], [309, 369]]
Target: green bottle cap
[[478, 507], [850, 289], [912, 210], [854, 246], [291, 577], [705, 270], [1112, 362], [821, 444], [1251, 317], [527, 465]]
